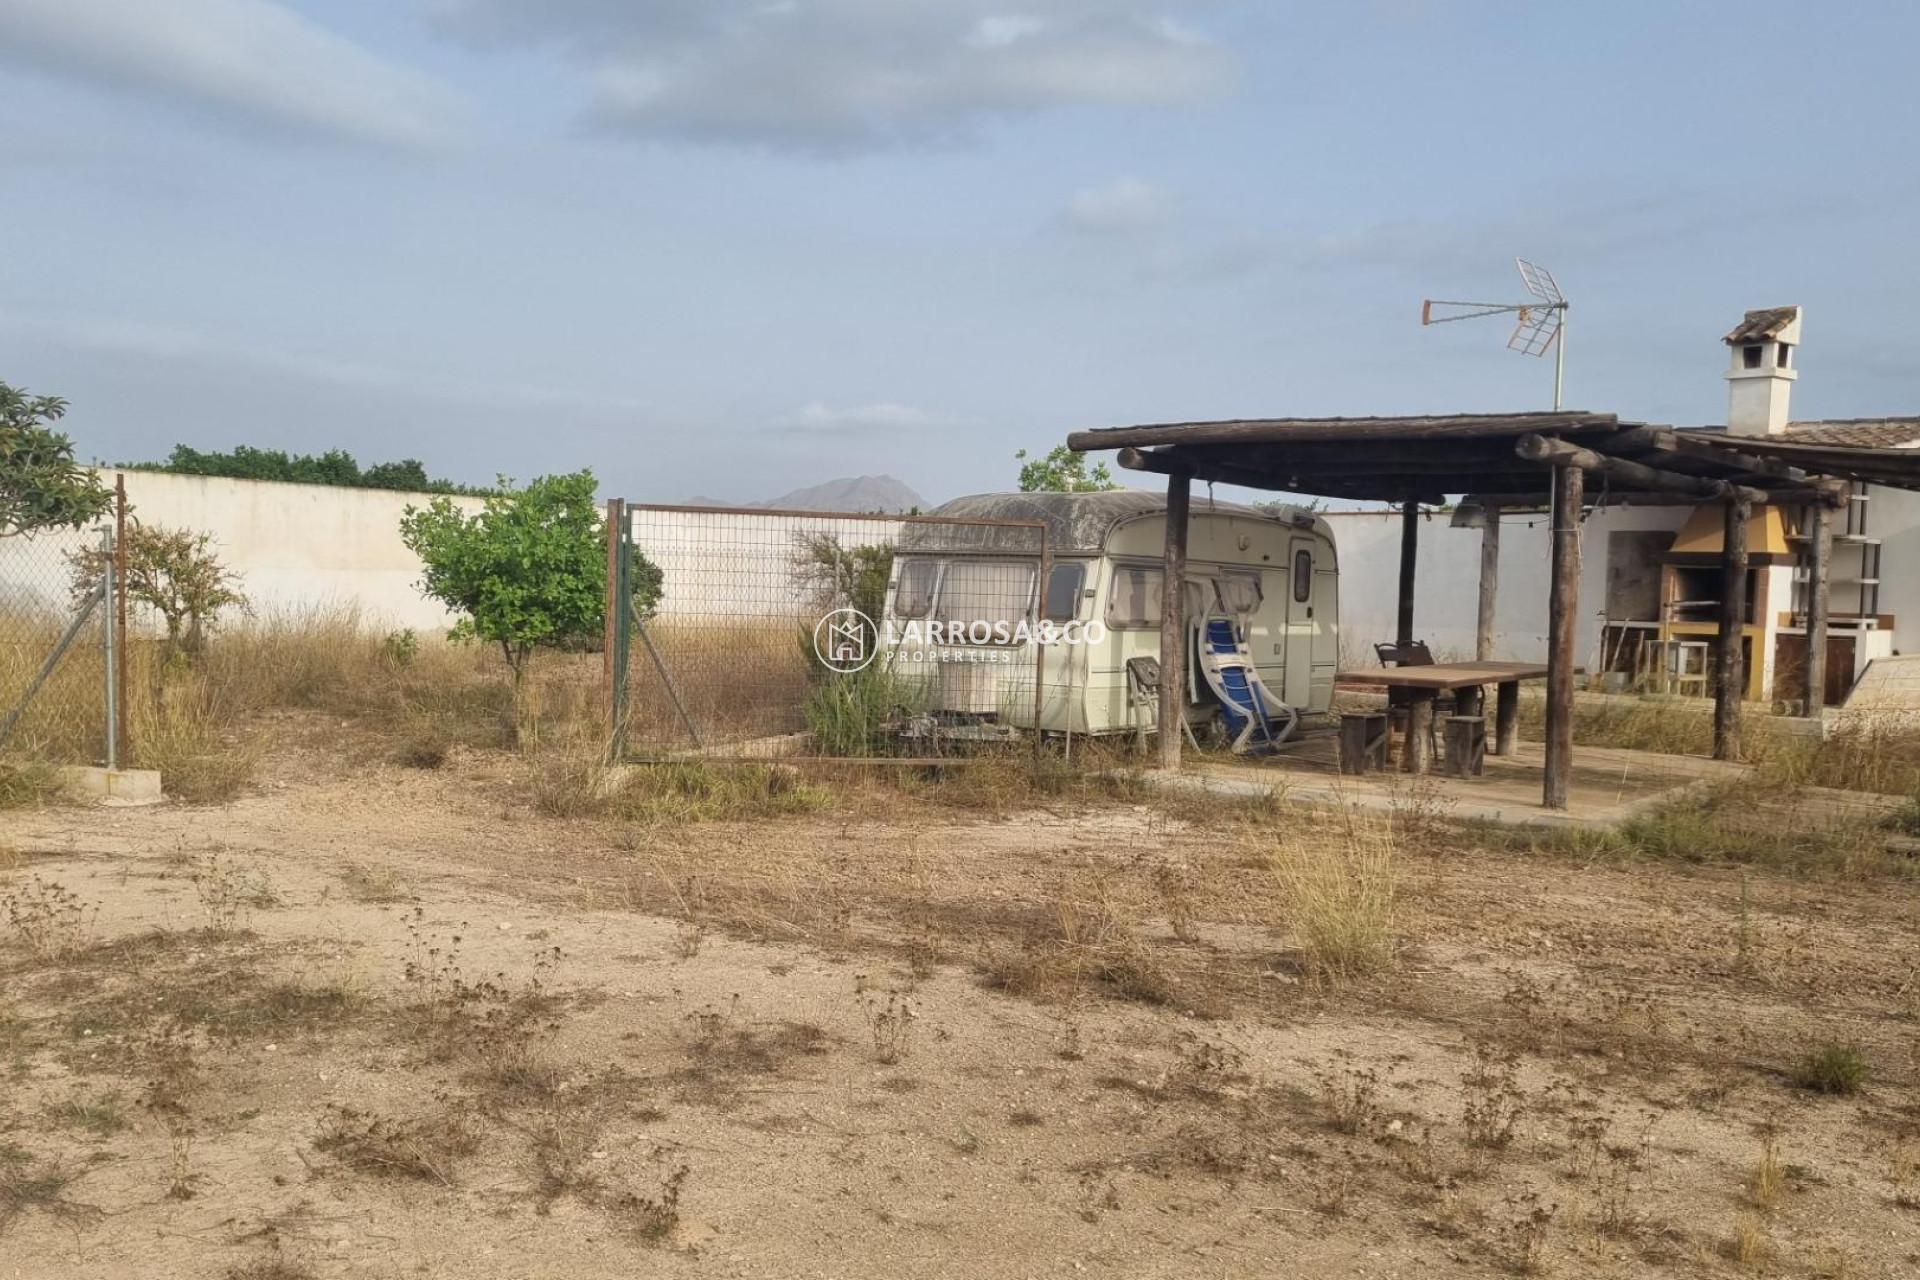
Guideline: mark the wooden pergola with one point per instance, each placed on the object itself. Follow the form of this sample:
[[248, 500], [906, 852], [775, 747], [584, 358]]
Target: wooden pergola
[[1561, 461]]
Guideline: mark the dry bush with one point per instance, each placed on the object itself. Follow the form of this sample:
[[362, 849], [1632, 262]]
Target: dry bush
[[1088, 940], [573, 780], [428, 1148], [189, 730], [27, 1185], [27, 782], [1338, 890], [50, 919]]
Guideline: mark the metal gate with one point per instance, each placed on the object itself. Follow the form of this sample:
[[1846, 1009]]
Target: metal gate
[[755, 634]]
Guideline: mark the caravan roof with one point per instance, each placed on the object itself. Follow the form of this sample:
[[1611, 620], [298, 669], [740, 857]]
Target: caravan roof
[[1077, 523]]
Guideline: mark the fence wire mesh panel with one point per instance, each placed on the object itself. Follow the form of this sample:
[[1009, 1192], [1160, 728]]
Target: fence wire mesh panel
[[767, 634], [53, 650]]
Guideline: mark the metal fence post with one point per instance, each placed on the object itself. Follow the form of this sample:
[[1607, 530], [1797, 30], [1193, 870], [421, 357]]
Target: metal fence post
[[110, 548], [1040, 648], [119, 620]]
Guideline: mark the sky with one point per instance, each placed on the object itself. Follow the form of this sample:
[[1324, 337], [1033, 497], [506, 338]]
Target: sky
[[733, 247]]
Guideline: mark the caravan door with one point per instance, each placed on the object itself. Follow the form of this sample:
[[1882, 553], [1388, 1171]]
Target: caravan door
[[1312, 640]]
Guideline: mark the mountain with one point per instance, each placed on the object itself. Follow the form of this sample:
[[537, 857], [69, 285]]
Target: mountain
[[854, 493], [849, 493]]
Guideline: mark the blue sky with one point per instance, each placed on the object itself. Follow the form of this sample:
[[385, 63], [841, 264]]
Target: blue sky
[[731, 247]]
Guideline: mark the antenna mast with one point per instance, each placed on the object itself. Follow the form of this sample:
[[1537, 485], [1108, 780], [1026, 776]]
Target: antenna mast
[[1540, 324]]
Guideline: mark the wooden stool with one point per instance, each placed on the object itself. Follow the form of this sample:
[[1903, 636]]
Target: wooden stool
[[1363, 741], [1466, 746]]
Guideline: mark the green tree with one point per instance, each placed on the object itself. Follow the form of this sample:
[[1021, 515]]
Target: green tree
[[41, 486], [1062, 471], [528, 570], [173, 572], [334, 467]]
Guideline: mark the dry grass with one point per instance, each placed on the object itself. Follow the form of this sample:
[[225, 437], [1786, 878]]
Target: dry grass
[[427, 1148], [30, 1185], [1339, 895]]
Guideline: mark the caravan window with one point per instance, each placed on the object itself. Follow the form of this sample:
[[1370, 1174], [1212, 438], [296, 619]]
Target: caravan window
[[986, 591], [1134, 600], [1240, 592], [1303, 575], [914, 596], [1063, 591]]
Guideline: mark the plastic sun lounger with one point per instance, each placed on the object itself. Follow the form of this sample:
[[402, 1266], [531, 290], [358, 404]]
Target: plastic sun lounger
[[1257, 719]]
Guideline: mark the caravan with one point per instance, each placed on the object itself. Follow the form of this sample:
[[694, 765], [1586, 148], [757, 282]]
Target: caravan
[[1262, 597]]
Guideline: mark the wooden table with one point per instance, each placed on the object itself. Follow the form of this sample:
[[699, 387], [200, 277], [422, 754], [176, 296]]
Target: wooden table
[[1423, 684]]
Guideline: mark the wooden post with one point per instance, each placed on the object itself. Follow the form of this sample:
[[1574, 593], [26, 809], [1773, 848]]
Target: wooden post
[[118, 619], [1465, 745], [1173, 623], [1414, 754], [1563, 608], [1819, 556], [1730, 680], [1489, 582], [1409, 549], [1506, 717]]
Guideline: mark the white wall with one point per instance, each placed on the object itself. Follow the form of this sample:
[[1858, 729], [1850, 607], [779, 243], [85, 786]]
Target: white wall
[[1446, 601], [293, 545]]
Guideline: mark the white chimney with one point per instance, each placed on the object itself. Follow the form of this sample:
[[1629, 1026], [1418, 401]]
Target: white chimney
[[1765, 350]]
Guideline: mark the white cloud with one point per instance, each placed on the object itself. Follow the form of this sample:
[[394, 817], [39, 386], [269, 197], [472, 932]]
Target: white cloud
[[178, 346], [1124, 205], [862, 419], [254, 57], [838, 75]]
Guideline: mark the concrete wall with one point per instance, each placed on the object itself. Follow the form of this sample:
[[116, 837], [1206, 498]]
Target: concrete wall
[[294, 546]]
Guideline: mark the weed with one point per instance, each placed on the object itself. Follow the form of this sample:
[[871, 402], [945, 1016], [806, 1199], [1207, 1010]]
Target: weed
[[1333, 1195], [890, 1022], [654, 1215], [227, 892], [1747, 1244], [1352, 1099], [1529, 1227], [1339, 897], [367, 883], [273, 1266], [26, 1184], [1495, 1103], [50, 918], [428, 1148], [28, 783], [1769, 1175], [1903, 1172], [1831, 1068], [99, 1116], [562, 1150]]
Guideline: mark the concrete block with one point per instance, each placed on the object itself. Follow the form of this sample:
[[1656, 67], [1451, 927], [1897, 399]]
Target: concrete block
[[115, 786]]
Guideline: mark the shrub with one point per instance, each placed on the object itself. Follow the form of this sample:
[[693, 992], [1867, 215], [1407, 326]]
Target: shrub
[[1832, 1068]]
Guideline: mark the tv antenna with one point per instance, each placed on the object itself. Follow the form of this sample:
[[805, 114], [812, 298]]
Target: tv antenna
[[1541, 323]]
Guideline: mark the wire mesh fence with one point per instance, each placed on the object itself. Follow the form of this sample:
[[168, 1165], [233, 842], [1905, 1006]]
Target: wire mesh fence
[[53, 651], [761, 634]]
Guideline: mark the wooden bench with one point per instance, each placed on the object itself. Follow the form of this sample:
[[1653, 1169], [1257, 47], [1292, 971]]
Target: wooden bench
[[1363, 741]]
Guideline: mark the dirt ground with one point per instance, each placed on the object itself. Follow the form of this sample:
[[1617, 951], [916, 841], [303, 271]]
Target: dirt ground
[[393, 1022]]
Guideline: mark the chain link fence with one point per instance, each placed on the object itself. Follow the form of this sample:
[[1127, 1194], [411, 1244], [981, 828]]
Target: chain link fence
[[755, 634], [54, 650]]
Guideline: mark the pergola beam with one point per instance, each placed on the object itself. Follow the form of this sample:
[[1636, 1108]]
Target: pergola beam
[[1543, 449]]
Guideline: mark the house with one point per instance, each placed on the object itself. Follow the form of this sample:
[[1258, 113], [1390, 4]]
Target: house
[[1662, 565]]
